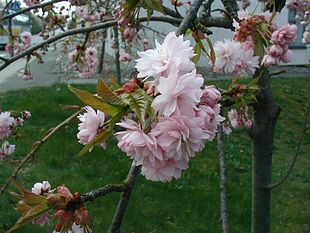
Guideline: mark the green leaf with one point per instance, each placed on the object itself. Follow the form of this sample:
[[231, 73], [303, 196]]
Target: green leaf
[[129, 6], [259, 49], [197, 51], [107, 94], [140, 104], [211, 56], [96, 102], [3, 31]]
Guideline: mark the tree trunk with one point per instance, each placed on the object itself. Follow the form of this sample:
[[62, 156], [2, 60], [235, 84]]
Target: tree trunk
[[102, 52], [266, 112], [223, 180]]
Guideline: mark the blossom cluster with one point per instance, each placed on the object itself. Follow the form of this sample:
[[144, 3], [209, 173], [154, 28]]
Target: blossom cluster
[[84, 61], [86, 13], [282, 38], [25, 38], [302, 9], [237, 56], [7, 124], [237, 119], [187, 114], [70, 213]]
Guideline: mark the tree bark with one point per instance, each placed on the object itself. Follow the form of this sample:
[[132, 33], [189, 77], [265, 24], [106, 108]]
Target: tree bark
[[266, 112], [116, 223], [223, 180]]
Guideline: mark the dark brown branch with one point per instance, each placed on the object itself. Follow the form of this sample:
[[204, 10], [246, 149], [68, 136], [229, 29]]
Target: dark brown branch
[[172, 13], [231, 7], [298, 151], [222, 22], [3, 59], [36, 146], [190, 17], [40, 5], [92, 195]]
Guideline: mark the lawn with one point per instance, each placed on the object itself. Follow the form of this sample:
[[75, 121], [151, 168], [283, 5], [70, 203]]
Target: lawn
[[187, 205]]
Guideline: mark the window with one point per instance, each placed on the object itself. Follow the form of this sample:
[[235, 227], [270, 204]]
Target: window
[[300, 30]]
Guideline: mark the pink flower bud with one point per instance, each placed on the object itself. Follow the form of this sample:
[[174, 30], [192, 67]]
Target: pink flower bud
[[287, 56], [276, 51]]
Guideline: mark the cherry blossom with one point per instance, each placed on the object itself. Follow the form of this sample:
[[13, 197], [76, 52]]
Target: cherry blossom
[[173, 53], [91, 122], [6, 121], [177, 91], [6, 149], [41, 188]]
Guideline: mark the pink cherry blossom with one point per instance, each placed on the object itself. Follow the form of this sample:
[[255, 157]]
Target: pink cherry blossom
[[6, 149], [285, 35], [130, 34], [228, 56], [269, 60], [26, 38], [41, 188], [249, 62], [6, 121], [164, 170], [91, 122], [174, 53], [211, 96], [177, 91], [136, 143], [44, 218], [286, 57], [276, 50], [234, 119], [126, 57]]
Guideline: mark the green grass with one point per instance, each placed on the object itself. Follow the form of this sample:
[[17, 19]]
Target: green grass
[[187, 205]]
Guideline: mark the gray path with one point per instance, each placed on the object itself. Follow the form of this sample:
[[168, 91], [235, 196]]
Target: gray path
[[46, 74]]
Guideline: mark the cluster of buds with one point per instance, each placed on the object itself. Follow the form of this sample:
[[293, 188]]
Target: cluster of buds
[[281, 38], [302, 9], [87, 13], [84, 61], [8, 127], [70, 213], [237, 119], [15, 48]]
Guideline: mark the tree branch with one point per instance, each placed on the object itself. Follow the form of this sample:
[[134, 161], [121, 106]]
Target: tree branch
[[190, 17], [124, 200], [172, 13], [298, 151], [92, 195], [81, 30], [36, 146], [231, 7], [40, 5]]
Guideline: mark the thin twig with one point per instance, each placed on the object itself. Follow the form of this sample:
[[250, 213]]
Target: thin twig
[[36, 146], [40, 5], [95, 27], [298, 151]]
